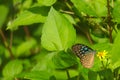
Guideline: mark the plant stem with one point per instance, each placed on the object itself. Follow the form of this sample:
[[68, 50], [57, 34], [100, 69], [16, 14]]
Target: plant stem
[[68, 75], [107, 63], [109, 21], [11, 39], [87, 34], [103, 64], [89, 37], [6, 44]]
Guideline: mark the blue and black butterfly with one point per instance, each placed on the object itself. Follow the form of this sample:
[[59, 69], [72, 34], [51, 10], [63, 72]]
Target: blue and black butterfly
[[85, 53]]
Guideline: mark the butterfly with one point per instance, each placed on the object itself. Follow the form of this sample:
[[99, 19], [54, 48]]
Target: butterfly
[[85, 53]]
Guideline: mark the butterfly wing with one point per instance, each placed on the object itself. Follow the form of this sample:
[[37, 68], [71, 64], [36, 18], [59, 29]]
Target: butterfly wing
[[87, 60], [85, 53]]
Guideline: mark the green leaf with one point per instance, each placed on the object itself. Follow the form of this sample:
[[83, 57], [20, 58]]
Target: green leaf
[[99, 6], [81, 77], [103, 46], [84, 72], [61, 74], [106, 74], [116, 11], [84, 6], [92, 8], [12, 68], [5, 78], [38, 31], [3, 14], [46, 2], [24, 48], [52, 78], [45, 62], [63, 60], [30, 16], [116, 51], [58, 33], [92, 75], [82, 39], [99, 39], [27, 4], [37, 75], [116, 72], [70, 18]]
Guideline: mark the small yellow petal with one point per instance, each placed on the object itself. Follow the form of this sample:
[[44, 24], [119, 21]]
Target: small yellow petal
[[102, 55]]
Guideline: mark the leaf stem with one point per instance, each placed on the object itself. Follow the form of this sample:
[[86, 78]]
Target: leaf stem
[[68, 75]]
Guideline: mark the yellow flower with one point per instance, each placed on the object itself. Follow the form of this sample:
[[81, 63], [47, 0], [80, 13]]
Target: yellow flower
[[102, 55]]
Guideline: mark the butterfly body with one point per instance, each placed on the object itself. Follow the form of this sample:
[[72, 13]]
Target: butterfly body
[[85, 53]]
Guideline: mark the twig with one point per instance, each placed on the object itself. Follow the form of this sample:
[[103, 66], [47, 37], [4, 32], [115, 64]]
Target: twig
[[11, 39], [109, 21], [6, 44], [27, 32]]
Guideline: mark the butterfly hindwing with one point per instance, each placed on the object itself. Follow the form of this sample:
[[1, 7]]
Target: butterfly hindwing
[[87, 60], [85, 53]]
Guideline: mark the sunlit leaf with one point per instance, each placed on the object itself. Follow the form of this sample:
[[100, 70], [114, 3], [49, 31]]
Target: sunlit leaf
[[99, 7], [46, 2], [27, 3], [116, 12], [70, 18], [58, 33], [84, 6], [116, 51], [30, 16]]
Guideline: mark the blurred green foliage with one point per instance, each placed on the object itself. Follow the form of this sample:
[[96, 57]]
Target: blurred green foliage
[[37, 35]]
